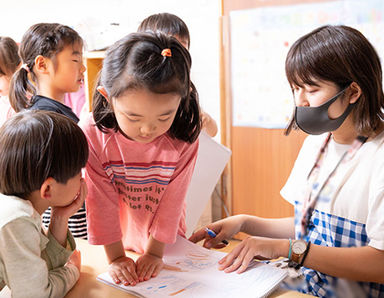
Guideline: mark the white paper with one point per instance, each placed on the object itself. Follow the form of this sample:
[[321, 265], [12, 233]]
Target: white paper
[[210, 163], [196, 275]]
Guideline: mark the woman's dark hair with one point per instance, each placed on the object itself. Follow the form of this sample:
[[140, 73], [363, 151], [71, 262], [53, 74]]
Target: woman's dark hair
[[168, 24], [36, 145], [135, 62], [342, 55], [47, 40], [9, 57]]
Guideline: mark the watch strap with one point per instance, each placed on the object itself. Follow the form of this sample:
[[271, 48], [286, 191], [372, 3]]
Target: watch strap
[[305, 254], [298, 266]]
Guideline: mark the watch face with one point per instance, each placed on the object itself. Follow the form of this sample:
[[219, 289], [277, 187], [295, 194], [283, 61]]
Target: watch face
[[299, 246]]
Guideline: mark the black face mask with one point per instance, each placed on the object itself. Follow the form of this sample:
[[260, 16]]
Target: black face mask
[[315, 120]]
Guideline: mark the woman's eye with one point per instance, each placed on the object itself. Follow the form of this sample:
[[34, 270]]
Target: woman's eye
[[164, 119], [133, 120]]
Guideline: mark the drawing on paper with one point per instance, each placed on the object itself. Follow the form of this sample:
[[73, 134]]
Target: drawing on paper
[[192, 261]]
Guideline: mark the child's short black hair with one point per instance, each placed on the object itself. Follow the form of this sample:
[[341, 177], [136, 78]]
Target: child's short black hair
[[36, 145]]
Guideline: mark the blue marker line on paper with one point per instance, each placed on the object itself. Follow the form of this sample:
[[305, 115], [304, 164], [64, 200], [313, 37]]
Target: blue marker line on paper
[[213, 235], [162, 287]]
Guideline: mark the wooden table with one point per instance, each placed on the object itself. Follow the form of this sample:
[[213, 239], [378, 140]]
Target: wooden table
[[94, 262]]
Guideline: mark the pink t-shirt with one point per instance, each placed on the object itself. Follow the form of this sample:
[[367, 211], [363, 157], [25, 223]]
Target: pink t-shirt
[[134, 189], [75, 100]]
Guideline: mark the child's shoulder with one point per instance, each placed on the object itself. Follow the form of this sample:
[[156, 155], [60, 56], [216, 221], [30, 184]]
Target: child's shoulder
[[88, 125], [13, 208], [86, 121], [179, 145]]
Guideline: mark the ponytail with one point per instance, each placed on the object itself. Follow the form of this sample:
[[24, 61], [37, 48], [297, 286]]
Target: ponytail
[[187, 123], [21, 89], [102, 111], [47, 40]]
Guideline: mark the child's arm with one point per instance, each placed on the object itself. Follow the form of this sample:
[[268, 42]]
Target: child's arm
[[169, 218], [121, 268], [209, 124], [29, 272], [151, 262]]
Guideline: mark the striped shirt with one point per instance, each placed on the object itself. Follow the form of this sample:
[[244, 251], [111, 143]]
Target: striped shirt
[[135, 189], [77, 223]]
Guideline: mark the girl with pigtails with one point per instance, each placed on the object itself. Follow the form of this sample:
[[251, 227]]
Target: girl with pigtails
[[142, 138]]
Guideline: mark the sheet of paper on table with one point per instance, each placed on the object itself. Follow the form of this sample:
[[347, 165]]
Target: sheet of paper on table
[[196, 274]]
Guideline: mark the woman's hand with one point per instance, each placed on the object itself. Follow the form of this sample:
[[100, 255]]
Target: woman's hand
[[123, 270], [224, 229], [253, 247], [148, 266]]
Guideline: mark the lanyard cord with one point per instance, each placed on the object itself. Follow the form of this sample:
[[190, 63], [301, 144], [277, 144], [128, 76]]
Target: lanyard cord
[[310, 202]]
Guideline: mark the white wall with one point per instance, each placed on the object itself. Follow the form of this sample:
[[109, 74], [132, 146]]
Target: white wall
[[93, 19]]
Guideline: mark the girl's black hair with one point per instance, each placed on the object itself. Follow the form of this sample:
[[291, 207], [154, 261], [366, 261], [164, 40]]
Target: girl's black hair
[[342, 55], [135, 62], [36, 145], [166, 23], [47, 40]]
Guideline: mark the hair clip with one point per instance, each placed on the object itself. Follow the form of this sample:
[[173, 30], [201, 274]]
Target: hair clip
[[166, 53], [25, 66]]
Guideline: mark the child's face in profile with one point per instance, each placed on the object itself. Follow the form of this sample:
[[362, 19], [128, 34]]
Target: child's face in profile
[[68, 69], [143, 116]]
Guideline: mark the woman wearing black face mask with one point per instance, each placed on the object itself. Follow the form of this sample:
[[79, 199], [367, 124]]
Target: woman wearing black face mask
[[337, 183]]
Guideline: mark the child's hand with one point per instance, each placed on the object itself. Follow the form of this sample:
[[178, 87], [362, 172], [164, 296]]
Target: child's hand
[[75, 259], [78, 201], [148, 266], [123, 270], [224, 229], [243, 254]]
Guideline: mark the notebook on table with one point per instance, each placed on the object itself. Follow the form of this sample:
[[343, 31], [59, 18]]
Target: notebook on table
[[193, 272]]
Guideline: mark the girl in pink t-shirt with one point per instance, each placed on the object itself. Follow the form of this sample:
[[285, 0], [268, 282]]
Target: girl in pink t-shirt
[[142, 138]]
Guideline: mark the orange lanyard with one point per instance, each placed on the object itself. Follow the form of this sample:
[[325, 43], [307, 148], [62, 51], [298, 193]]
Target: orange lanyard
[[310, 201]]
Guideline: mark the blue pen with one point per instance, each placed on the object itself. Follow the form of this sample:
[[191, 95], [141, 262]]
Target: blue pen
[[213, 235]]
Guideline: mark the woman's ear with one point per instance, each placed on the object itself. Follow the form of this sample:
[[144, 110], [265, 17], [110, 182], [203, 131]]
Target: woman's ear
[[103, 92], [354, 93], [46, 188], [41, 64]]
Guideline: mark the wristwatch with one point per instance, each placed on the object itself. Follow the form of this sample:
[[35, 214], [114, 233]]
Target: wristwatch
[[298, 249]]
